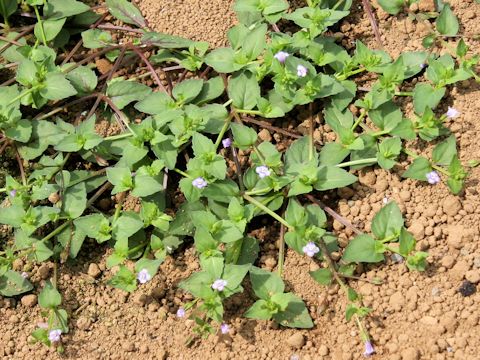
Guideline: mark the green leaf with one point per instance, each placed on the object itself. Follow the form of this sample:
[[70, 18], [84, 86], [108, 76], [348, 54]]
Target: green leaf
[[259, 310], [123, 92], [445, 151], [265, 283], [13, 283], [75, 200], [211, 90], [8, 7], [244, 136], [407, 242], [332, 177], [388, 222], [295, 315], [426, 96], [254, 42], [51, 29], [393, 7], [49, 297], [124, 279], [12, 215], [96, 39], [418, 169], [222, 60], [244, 90], [58, 9], [83, 80], [187, 90], [95, 226], [57, 87], [126, 12], [41, 251], [447, 22], [126, 225], [417, 261], [121, 178], [362, 249], [322, 276]]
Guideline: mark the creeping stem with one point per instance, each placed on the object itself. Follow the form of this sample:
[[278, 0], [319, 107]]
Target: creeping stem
[[268, 211]]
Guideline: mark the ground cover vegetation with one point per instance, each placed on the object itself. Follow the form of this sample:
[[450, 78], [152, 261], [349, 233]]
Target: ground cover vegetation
[[188, 136]]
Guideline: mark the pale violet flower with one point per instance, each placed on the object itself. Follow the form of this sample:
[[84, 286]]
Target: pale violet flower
[[199, 183], [143, 276], [24, 275], [301, 71], [224, 329], [262, 171], [433, 177], [181, 312], [13, 193], [219, 284], [281, 56], [423, 66], [226, 142], [385, 200], [310, 249], [452, 113], [369, 350], [54, 335]]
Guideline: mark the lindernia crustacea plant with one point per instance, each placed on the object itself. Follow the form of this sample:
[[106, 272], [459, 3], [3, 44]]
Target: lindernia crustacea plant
[[54, 335], [143, 276], [181, 312], [452, 113], [224, 329], [199, 183], [310, 249], [262, 171], [227, 142], [281, 56], [433, 177], [301, 71], [219, 284], [369, 350]]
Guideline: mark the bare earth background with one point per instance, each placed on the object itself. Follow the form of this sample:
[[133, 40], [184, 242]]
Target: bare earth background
[[416, 315]]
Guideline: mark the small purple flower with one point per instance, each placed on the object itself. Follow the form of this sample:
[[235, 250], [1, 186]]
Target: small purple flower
[[219, 284], [423, 66], [199, 183], [452, 113], [13, 193], [310, 249], [432, 177], [181, 312], [24, 275], [262, 171], [226, 142], [301, 71], [224, 329], [143, 276], [281, 56], [54, 335], [369, 350]]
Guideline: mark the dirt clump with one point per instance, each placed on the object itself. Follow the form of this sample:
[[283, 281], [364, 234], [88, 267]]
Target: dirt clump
[[193, 19]]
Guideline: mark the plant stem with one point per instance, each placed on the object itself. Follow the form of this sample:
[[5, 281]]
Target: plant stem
[[268, 211], [92, 175], [183, 173], [281, 250], [21, 95], [40, 23], [359, 120], [118, 137], [350, 73], [258, 191], [311, 147], [223, 131], [367, 161], [251, 112]]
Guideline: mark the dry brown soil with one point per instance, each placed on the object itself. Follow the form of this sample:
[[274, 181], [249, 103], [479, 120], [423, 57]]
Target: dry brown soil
[[416, 315]]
